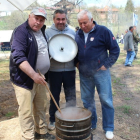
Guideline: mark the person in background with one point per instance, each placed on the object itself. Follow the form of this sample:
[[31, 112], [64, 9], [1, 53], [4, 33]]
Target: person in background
[[60, 73], [29, 52], [129, 47], [125, 34], [93, 61], [136, 39], [117, 38], [76, 29], [122, 36]]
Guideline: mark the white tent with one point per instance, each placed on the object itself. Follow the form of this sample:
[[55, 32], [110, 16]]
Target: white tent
[[10, 5], [5, 35], [6, 6]]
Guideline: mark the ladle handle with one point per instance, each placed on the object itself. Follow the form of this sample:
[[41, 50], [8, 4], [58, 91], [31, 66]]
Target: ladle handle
[[50, 94]]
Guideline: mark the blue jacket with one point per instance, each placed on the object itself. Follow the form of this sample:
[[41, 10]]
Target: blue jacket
[[100, 49], [23, 48]]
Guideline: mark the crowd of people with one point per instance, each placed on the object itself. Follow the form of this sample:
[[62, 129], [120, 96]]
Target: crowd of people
[[98, 50]]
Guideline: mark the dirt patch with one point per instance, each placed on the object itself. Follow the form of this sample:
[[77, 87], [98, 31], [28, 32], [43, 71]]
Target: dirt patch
[[126, 96]]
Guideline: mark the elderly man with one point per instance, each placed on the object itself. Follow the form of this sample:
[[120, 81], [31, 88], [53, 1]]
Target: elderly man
[[29, 52], [93, 61], [129, 47]]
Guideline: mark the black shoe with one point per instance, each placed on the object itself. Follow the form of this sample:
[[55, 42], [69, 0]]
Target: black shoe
[[44, 136], [129, 65]]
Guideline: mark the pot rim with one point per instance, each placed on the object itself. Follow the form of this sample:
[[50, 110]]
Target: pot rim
[[73, 120]]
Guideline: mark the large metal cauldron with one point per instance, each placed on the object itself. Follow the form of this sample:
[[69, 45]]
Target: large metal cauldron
[[73, 123]]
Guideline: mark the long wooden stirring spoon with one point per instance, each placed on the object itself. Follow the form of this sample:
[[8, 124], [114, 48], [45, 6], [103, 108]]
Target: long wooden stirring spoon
[[50, 93]]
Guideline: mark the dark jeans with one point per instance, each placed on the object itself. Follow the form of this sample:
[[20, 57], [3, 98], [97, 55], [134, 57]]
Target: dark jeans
[[55, 81]]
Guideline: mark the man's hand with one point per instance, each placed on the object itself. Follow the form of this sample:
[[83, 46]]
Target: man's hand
[[39, 79], [102, 68]]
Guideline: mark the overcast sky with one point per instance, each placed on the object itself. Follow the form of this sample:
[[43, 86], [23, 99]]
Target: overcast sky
[[101, 3], [6, 6], [117, 3]]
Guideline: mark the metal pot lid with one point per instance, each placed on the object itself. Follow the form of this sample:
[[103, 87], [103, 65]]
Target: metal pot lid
[[62, 48]]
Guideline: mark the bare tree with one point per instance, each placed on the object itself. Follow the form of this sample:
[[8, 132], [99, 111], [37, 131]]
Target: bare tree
[[35, 4], [16, 18], [67, 5]]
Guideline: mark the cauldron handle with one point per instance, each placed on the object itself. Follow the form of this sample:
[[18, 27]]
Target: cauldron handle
[[65, 125]]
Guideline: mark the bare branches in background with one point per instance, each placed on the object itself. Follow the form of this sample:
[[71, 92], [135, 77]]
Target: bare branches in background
[[67, 5], [121, 18]]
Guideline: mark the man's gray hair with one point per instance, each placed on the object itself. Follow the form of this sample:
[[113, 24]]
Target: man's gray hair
[[83, 12]]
